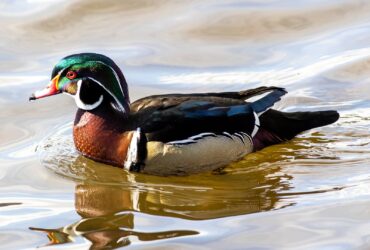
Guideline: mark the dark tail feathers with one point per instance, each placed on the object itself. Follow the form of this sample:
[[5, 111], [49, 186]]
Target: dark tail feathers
[[287, 125]]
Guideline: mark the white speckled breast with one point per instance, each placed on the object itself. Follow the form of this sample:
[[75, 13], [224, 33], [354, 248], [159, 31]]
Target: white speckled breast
[[205, 154]]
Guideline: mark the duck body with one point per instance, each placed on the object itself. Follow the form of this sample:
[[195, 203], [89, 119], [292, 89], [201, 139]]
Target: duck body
[[176, 134]]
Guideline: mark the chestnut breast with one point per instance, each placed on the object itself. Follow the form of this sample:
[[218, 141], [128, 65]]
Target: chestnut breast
[[100, 139]]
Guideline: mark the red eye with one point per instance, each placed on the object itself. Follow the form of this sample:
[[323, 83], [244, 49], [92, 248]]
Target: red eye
[[71, 75]]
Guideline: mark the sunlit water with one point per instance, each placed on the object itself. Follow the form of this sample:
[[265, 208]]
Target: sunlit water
[[311, 192]]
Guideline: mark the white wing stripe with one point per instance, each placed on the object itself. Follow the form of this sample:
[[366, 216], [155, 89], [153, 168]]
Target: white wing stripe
[[256, 124], [240, 137], [196, 138]]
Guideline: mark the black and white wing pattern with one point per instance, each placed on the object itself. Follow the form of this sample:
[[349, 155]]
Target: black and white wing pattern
[[194, 119]]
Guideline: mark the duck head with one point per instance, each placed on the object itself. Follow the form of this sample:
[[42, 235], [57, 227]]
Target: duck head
[[91, 79]]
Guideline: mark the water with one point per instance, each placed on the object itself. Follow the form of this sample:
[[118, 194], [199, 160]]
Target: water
[[312, 192]]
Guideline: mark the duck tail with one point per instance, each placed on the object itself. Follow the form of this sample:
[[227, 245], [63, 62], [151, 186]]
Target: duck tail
[[264, 103], [287, 125], [253, 93]]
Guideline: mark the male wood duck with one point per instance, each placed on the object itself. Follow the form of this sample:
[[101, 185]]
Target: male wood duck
[[174, 134]]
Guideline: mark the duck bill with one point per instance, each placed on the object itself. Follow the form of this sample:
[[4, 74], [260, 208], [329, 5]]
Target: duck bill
[[50, 90]]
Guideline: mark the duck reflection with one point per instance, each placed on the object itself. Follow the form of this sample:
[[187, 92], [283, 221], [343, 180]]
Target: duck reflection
[[108, 212], [110, 199], [107, 219]]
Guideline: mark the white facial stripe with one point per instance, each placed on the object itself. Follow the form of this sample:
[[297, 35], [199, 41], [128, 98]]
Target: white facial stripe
[[61, 71], [83, 105], [115, 75], [122, 109]]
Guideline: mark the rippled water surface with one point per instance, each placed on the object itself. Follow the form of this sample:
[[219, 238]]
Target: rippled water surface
[[309, 193]]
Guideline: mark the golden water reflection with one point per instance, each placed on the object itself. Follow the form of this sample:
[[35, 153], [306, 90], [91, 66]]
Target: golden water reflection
[[109, 209], [107, 219]]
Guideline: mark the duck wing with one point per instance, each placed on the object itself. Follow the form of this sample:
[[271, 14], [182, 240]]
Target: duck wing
[[160, 102], [178, 116], [185, 116]]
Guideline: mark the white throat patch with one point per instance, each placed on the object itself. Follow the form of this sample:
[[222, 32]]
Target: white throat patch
[[119, 106], [83, 105]]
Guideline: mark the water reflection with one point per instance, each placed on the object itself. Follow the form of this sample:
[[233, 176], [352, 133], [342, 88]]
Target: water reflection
[[245, 187], [107, 220], [108, 211], [109, 200], [94, 200], [106, 230]]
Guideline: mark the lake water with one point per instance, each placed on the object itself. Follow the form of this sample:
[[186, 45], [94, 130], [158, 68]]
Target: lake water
[[309, 193]]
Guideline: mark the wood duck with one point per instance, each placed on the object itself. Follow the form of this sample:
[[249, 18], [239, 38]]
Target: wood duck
[[174, 134]]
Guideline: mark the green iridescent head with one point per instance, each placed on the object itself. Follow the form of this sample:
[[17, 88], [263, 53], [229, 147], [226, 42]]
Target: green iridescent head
[[91, 78]]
